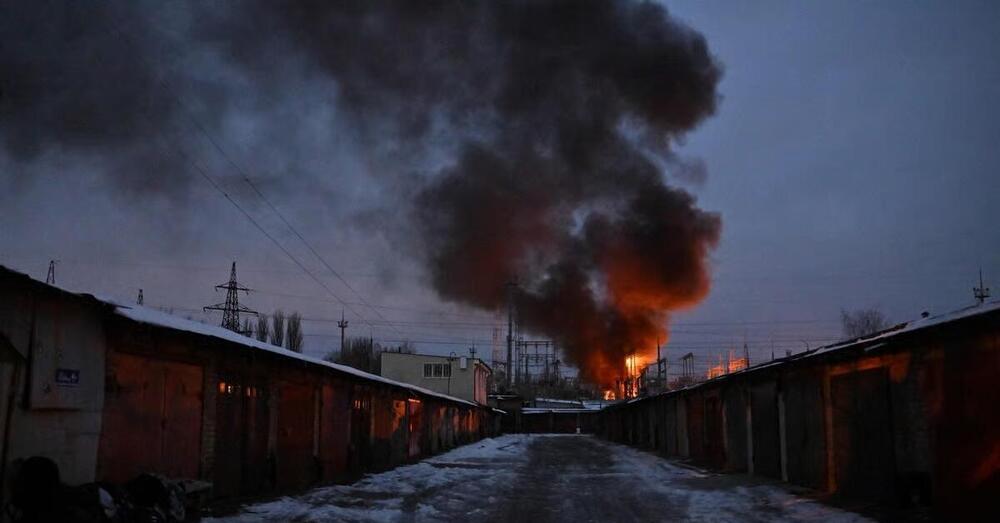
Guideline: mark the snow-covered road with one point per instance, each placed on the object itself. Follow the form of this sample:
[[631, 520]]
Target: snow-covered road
[[528, 478]]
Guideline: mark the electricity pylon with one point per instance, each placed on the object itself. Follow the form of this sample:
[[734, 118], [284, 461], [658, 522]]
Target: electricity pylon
[[231, 309]]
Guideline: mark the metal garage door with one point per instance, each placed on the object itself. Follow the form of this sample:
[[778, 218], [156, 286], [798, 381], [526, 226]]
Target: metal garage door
[[297, 467], [152, 418], [862, 437]]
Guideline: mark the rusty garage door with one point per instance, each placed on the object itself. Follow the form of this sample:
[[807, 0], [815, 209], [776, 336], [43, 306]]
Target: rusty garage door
[[334, 432], [415, 421], [862, 435], [361, 429], [152, 418], [715, 450], [764, 429], [296, 464], [241, 430]]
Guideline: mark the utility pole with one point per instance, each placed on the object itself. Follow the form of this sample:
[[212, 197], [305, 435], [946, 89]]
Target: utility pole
[[660, 368], [658, 357], [981, 293], [510, 331], [342, 324], [138, 299], [527, 361], [519, 360], [231, 309], [451, 357], [50, 278]]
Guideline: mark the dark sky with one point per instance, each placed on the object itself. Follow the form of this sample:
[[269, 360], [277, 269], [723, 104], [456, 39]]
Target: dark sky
[[852, 158]]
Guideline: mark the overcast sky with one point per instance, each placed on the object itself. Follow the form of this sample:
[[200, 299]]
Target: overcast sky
[[853, 160]]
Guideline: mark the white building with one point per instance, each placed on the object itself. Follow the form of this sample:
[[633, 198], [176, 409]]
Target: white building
[[459, 376]]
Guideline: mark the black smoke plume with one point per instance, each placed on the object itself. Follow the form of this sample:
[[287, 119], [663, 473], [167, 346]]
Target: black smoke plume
[[536, 135]]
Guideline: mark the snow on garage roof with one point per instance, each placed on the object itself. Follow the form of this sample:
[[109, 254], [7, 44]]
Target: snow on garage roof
[[871, 342], [161, 319], [168, 321], [914, 325]]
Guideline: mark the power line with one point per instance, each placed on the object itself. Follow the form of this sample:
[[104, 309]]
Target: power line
[[244, 269], [179, 101], [246, 178], [251, 219]]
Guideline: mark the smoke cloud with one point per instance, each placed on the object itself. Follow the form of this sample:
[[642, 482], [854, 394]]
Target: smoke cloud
[[531, 138]]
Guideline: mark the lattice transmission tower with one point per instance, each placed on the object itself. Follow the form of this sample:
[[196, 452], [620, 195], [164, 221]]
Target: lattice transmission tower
[[231, 309], [50, 278], [982, 292]]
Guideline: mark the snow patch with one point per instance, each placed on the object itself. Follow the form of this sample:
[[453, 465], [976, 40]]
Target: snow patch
[[479, 469]]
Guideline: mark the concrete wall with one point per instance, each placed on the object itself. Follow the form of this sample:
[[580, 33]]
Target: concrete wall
[[53, 370], [469, 383]]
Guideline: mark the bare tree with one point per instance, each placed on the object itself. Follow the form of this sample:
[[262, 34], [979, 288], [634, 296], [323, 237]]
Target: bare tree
[[278, 328], [247, 329], [364, 354], [263, 329], [359, 353], [293, 333], [862, 322]]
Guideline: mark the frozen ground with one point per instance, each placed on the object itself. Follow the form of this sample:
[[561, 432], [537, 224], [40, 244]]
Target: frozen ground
[[529, 478]]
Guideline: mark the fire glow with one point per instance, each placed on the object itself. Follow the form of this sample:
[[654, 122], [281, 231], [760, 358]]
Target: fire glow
[[627, 385], [578, 211]]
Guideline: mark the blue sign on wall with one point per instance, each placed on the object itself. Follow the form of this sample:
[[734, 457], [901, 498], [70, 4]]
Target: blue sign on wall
[[67, 377]]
